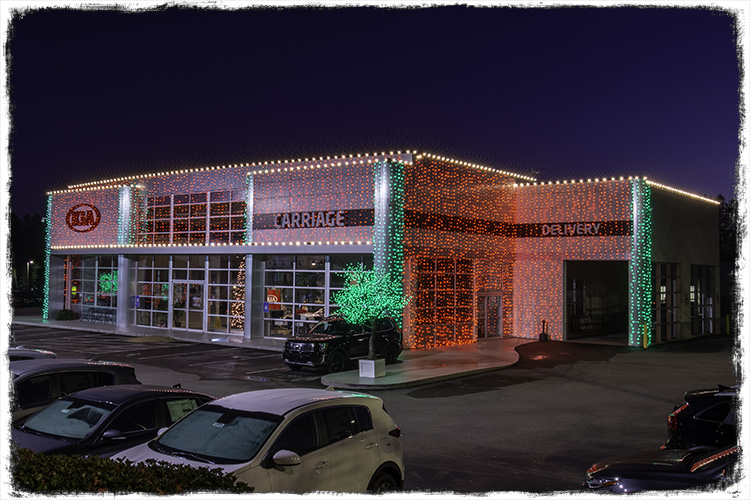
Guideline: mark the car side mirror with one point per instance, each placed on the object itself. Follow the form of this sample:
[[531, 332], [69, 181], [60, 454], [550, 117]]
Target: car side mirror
[[113, 435], [161, 431], [286, 457]]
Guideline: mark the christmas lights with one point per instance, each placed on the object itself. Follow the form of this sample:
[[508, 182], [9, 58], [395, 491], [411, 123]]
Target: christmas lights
[[451, 230]]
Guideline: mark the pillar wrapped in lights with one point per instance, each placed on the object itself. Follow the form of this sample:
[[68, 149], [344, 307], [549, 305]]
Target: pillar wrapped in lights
[[48, 225], [640, 266], [388, 229]]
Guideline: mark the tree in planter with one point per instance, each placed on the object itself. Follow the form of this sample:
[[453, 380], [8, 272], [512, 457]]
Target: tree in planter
[[368, 296]]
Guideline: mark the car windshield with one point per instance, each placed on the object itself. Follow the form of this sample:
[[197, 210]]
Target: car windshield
[[337, 328], [214, 434], [68, 418]]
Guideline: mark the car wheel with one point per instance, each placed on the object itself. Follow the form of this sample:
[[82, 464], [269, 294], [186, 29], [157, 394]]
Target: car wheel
[[390, 353], [336, 362], [382, 483]]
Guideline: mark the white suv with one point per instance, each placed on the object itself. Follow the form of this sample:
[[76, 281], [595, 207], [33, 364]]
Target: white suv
[[288, 440]]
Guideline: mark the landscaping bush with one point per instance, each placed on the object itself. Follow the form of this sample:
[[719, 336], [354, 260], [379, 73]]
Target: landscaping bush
[[58, 474], [65, 315]]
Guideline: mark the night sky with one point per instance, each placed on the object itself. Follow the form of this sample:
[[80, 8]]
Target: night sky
[[577, 92]]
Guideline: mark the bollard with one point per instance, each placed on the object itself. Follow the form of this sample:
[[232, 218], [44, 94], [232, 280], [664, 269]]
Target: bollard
[[543, 337]]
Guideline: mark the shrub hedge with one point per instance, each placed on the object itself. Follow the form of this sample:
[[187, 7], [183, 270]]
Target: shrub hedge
[[58, 474], [65, 315]]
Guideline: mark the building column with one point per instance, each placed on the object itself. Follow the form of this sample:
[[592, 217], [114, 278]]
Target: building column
[[641, 324]]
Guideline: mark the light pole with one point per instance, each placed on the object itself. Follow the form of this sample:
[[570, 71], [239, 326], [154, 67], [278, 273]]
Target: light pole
[[27, 273]]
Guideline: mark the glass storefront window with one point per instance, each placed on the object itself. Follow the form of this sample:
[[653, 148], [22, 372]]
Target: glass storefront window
[[298, 290], [93, 282]]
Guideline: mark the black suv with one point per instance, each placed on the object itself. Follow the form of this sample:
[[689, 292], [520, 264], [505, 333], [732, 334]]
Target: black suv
[[333, 342], [707, 418]]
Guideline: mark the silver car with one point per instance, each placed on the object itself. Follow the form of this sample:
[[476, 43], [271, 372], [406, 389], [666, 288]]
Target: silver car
[[288, 440]]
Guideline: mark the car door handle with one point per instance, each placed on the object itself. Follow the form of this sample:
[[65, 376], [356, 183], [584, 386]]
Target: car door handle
[[320, 465], [370, 446]]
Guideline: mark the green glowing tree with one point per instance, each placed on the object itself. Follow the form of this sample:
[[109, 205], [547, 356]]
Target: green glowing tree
[[368, 296]]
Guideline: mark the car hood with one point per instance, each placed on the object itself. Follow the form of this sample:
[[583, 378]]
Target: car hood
[[663, 461], [41, 444], [313, 337], [142, 452]]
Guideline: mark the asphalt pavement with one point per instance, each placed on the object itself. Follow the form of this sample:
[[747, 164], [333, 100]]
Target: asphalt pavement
[[532, 426]]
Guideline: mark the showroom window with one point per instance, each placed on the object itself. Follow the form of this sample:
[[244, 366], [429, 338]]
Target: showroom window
[[442, 312], [93, 281], [702, 300], [298, 290], [666, 301], [196, 218]]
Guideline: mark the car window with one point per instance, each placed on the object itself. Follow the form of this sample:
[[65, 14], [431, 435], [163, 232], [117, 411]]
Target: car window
[[342, 422], [359, 329], [178, 408], [70, 419], [33, 391], [364, 419], [383, 325], [138, 418], [300, 436], [71, 382], [716, 413], [219, 434]]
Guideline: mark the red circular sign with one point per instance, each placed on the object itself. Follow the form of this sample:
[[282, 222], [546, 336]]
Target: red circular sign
[[83, 217]]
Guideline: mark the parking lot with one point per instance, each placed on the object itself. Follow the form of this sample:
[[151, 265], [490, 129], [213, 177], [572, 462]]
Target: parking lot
[[533, 427]]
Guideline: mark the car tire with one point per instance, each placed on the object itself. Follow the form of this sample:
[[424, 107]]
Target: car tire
[[390, 354], [336, 362], [382, 482]]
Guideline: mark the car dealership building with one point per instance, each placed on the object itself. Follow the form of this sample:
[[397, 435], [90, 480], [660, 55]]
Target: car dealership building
[[253, 252]]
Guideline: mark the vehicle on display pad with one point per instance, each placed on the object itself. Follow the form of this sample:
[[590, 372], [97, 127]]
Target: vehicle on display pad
[[38, 382], [708, 417], [105, 420], [20, 352], [664, 470], [332, 343], [288, 440]]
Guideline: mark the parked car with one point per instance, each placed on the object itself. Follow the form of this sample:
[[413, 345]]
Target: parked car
[[105, 420], [707, 418], [288, 440], [38, 382], [20, 352], [332, 343], [664, 470]]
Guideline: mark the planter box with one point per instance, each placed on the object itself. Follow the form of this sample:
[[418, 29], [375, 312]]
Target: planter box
[[371, 368]]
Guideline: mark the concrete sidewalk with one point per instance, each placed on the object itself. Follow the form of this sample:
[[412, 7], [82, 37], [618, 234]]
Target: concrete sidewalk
[[415, 367], [424, 367]]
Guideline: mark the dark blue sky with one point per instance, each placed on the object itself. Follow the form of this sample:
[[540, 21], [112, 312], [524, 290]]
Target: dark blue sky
[[569, 93]]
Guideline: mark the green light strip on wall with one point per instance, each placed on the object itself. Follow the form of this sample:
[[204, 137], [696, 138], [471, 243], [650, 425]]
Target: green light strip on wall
[[388, 229], [640, 266], [47, 257]]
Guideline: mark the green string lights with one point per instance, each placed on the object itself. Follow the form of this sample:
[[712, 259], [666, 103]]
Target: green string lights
[[47, 257], [388, 228], [640, 265], [369, 295]]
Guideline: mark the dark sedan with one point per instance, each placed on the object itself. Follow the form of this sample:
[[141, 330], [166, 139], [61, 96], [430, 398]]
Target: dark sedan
[[105, 420], [663, 470]]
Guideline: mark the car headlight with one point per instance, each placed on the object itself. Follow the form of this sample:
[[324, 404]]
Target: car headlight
[[602, 482]]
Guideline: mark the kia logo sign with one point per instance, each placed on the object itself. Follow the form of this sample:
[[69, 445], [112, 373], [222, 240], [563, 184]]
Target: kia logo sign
[[83, 218]]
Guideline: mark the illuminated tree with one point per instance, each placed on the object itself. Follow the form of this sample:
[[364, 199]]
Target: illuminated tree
[[368, 296]]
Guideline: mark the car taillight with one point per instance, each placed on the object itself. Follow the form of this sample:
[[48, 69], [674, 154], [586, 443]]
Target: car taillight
[[672, 418], [395, 432]]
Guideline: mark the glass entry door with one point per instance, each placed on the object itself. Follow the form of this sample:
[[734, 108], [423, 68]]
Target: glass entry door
[[489, 316], [188, 305]]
